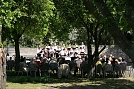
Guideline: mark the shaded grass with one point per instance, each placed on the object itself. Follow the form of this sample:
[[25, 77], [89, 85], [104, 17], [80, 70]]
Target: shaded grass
[[24, 82], [28, 82]]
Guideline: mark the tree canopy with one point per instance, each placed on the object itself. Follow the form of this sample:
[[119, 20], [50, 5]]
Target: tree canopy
[[115, 16], [24, 17]]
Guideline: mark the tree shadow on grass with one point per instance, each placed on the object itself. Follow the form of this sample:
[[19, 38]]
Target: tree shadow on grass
[[73, 81], [13, 78], [106, 83], [45, 79]]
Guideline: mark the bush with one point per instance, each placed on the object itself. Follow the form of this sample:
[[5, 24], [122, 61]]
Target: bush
[[28, 79], [11, 73], [1, 45]]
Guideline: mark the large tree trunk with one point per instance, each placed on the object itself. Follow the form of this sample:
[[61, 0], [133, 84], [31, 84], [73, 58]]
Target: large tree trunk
[[89, 51], [2, 66], [114, 30], [17, 54], [2, 70]]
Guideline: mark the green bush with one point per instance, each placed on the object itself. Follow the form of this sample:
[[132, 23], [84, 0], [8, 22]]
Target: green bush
[[1, 45], [28, 79], [11, 73], [13, 76]]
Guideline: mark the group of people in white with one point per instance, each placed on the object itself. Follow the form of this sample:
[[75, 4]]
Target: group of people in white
[[57, 51]]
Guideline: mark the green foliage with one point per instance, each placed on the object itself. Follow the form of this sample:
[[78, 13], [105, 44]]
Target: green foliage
[[1, 45], [67, 18], [30, 18], [73, 14], [24, 17], [28, 79], [11, 73], [117, 9], [24, 79]]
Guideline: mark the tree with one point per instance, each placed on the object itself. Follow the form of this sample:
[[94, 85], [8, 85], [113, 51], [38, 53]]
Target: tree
[[23, 17], [104, 12], [78, 17], [2, 70]]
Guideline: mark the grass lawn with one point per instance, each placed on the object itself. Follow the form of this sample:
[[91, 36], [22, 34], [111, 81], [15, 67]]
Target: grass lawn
[[25, 86], [29, 82], [24, 82]]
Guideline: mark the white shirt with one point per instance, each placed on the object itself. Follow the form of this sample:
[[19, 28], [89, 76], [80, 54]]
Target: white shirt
[[78, 60], [7, 58], [83, 46], [82, 50], [54, 48], [62, 52], [38, 50]]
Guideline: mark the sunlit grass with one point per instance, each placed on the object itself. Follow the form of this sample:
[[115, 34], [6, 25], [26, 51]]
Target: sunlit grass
[[10, 85]]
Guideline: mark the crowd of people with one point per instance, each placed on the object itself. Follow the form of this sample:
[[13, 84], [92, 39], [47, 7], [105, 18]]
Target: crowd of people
[[111, 59], [113, 65], [73, 55]]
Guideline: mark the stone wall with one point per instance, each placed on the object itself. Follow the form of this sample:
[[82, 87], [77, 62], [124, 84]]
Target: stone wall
[[110, 49], [114, 50], [23, 51]]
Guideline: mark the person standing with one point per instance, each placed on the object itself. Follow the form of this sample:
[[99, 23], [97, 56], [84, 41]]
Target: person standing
[[82, 45], [7, 57], [38, 50]]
